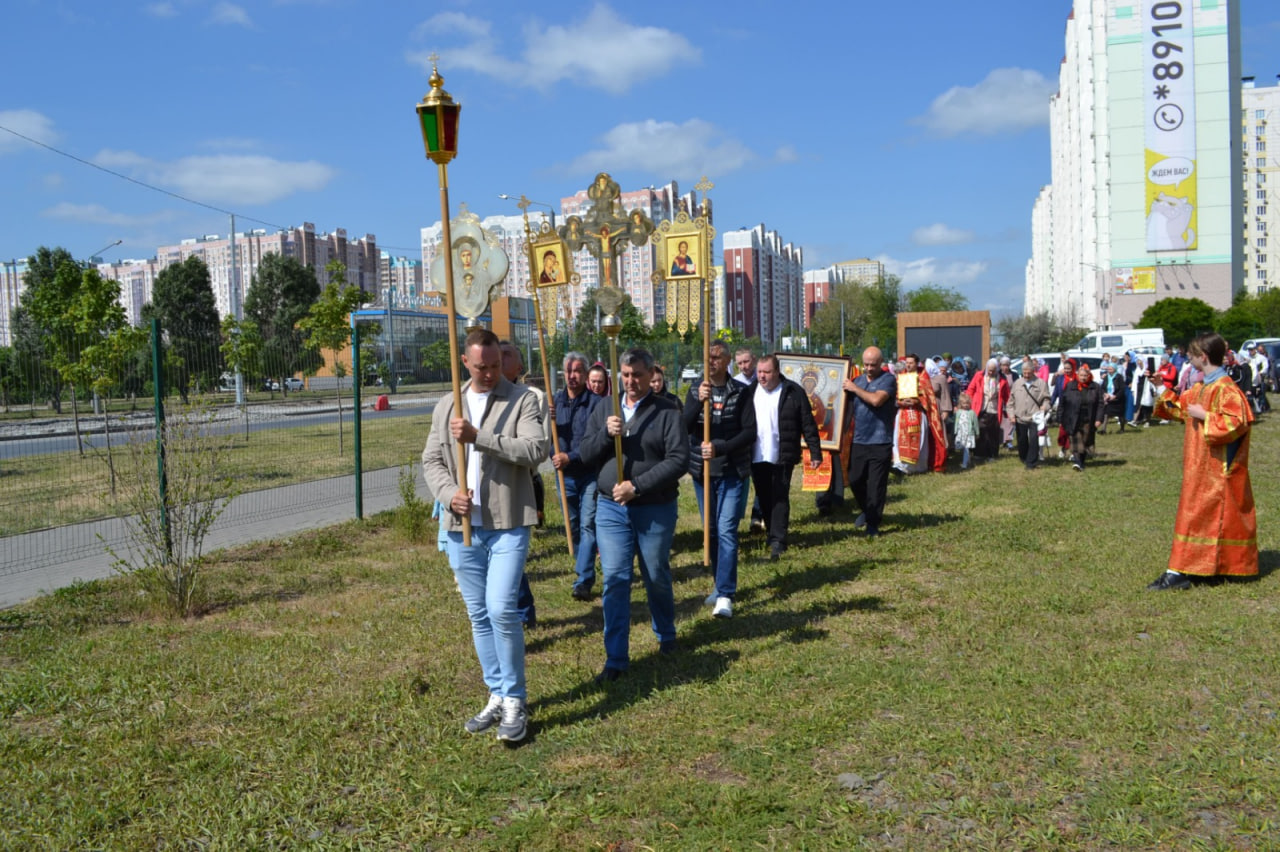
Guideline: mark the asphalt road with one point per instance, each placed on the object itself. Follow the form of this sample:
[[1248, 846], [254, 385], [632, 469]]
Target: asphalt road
[[269, 417]]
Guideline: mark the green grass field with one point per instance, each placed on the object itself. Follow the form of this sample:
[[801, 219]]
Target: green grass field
[[989, 674]]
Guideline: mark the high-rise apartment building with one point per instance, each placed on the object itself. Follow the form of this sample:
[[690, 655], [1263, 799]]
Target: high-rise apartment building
[[12, 275], [1260, 111], [402, 284], [360, 257], [864, 270], [763, 284], [818, 287], [1145, 201]]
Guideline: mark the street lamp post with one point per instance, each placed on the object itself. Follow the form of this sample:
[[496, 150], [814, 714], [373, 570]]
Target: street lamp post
[[438, 119], [1104, 301], [552, 210]]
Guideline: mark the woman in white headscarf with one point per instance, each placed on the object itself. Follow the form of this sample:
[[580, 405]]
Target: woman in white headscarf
[[990, 393]]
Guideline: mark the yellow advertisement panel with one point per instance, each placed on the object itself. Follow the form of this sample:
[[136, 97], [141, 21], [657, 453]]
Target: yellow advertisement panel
[[1130, 280], [1169, 79]]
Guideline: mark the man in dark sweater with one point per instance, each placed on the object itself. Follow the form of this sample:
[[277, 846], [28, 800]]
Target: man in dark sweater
[[783, 419], [573, 406], [728, 455], [637, 515]]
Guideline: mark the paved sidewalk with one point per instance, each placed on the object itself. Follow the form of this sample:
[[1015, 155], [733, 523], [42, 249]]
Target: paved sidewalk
[[26, 571]]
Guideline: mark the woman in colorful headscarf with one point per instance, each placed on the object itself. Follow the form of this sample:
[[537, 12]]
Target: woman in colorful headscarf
[[1081, 413], [1066, 373]]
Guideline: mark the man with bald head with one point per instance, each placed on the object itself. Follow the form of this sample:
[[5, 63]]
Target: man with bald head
[[873, 396]]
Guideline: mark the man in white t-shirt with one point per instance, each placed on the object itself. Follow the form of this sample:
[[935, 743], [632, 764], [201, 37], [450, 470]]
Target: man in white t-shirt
[[502, 432], [783, 418]]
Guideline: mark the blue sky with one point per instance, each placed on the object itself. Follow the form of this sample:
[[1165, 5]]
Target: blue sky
[[915, 132]]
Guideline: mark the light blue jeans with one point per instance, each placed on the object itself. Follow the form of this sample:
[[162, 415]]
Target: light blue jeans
[[728, 504], [488, 574], [622, 533]]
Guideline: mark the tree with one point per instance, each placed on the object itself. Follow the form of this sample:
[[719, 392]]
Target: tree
[[51, 279], [182, 299], [1240, 321], [86, 339], [586, 336], [327, 324], [107, 343], [281, 293], [1181, 319], [931, 298], [843, 318]]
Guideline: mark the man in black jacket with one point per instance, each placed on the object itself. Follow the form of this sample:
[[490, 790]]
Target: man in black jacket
[[783, 417], [728, 455], [636, 516]]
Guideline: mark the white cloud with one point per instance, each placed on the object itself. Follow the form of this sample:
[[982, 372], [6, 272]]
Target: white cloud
[[1009, 99], [683, 151], [28, 122], [161, 10], [230, 13], [939, 234], [96, 214], [786, 154], [930, 270], [242, 179], [602, 51]]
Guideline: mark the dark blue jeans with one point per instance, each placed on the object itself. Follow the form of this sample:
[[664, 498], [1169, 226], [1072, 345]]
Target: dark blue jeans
[[623, 533], [580, 494]]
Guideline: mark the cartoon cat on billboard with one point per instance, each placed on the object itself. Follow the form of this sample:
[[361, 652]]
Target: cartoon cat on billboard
[[1169, 224]]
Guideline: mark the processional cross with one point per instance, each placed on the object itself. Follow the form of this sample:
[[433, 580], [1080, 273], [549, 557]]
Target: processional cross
[[606, 229]]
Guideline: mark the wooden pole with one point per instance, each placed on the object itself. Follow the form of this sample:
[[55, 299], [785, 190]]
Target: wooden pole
[[617, 400], [706, 425], [555, 433], [454, 366]]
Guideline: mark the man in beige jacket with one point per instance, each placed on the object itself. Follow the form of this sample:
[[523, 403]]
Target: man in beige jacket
[[504, 439], [1028, 405]]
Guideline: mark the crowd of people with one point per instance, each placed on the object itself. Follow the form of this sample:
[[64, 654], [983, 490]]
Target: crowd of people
[[734, 433]]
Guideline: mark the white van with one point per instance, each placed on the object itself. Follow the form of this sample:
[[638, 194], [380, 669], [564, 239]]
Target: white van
[[1120, 341]]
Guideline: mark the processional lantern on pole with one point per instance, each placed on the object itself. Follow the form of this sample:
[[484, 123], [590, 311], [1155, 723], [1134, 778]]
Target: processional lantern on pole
[[438, 119], [684, 262], [550, 269]]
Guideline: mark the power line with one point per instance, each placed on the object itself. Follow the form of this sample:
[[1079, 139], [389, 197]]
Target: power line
[[142, 184], [146, 185]]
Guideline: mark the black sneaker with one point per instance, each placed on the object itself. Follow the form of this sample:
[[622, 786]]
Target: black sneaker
[[515, 720], [1169, 580], [582, 593], [668, 647], [609, 675]]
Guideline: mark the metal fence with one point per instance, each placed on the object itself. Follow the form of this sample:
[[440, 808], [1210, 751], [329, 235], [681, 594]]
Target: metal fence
[[72, 421]]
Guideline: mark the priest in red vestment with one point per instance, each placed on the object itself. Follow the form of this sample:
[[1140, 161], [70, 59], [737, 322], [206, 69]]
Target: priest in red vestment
[[1216, 530], [920, 436]]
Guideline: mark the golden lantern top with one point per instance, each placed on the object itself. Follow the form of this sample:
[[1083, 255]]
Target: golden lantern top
[[438, 117]]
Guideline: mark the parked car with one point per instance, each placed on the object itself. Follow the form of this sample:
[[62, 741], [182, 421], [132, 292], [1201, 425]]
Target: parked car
[[293, 384], [691, 372]]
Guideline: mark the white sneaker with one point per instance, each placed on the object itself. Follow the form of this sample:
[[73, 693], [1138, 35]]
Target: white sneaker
[[486, 718], [711, 598], [724, 608], [514, 720]]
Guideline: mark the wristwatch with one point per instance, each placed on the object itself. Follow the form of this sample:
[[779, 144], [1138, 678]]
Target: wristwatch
[[635, 489]]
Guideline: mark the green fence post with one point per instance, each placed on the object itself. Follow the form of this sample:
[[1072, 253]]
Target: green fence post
[[157, 377], [356, 378]]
